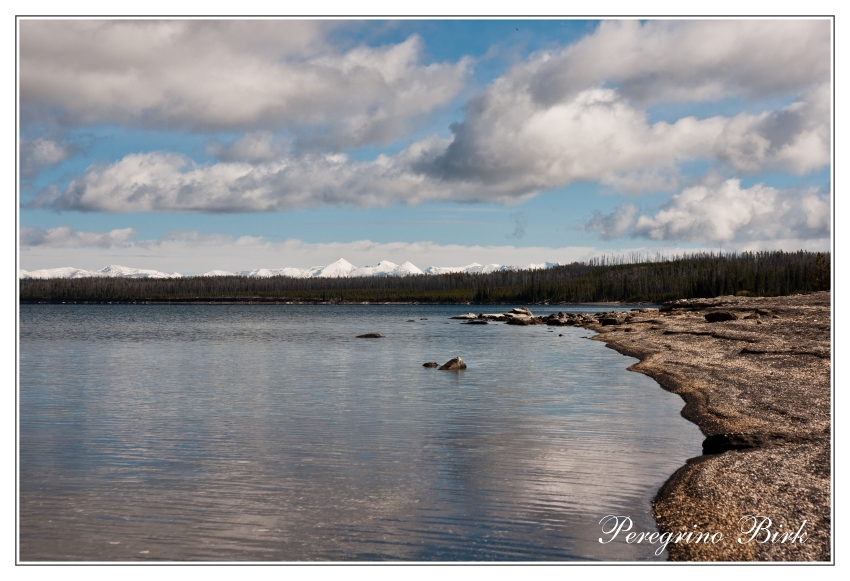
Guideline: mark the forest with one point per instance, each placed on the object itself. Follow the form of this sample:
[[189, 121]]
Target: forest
[[605, 279]]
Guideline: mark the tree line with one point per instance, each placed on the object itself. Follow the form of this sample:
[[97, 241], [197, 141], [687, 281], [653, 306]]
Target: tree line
[[624, 279]]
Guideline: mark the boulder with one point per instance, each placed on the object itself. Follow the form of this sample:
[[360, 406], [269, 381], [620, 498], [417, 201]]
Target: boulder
[[493, 316], [517, 320], [475, 322], [718, 316], [522, 311], [431, 364], [466, 316], [370, 336], [453, 364]]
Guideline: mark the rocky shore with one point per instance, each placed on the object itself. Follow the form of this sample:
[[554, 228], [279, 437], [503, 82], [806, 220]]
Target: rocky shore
[[756, 381], [755, 377]]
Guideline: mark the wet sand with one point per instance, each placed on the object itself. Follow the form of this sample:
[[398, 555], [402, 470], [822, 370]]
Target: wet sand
[[758, 386]]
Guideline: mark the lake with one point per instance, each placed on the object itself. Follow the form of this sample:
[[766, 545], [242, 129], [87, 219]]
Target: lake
[[271, 433]]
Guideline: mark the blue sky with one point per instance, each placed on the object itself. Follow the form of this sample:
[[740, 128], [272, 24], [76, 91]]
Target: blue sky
[[188, 146]]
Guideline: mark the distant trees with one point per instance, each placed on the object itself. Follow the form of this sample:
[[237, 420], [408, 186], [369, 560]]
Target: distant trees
[[631, 279]]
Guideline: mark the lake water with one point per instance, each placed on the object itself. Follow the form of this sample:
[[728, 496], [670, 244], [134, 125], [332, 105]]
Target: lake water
[[258, 433]]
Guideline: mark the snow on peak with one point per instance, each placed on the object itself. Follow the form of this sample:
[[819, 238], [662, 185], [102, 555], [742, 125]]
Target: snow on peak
[[386, 268], [118, 271], [339, 269], [407, 269], [111, 271]]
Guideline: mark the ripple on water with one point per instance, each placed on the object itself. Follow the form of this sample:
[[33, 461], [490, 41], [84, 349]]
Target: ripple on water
[[270, 433]]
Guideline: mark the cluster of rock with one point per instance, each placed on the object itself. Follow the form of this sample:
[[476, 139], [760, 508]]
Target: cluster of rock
[[523, 316], [725, 308]]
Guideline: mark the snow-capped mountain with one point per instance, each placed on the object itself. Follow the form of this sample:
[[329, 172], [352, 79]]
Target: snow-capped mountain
[[339, 269], [111, 271], [386, 268]]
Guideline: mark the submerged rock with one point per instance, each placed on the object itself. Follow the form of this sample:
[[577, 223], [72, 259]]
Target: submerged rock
[[453, 364], [370, 336], [431, 364], [475, 322]]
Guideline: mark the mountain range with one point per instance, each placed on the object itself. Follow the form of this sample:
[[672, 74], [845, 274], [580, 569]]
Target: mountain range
[[339, 269]]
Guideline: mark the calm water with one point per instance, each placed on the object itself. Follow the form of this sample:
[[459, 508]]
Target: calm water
[[272, 433]]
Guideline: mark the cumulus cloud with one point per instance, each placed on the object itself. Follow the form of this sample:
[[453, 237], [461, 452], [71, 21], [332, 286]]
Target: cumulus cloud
[[684, 60], [563, 116], [614, 225], [173, 182], [42, 152], [511, 140], [66, 237], [228, 75], [504, 153], [255, 147], [726, 213]]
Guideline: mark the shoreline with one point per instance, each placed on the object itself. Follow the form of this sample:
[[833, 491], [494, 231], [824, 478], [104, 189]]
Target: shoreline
[[758, 385], [273, 301]]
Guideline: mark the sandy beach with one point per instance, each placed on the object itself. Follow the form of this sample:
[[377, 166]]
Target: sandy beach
[[757, 383]]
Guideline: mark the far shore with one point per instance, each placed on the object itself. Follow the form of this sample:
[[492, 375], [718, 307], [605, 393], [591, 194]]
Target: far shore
[[268, 301]]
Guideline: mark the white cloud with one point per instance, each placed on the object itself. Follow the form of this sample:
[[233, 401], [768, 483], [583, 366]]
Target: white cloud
[[42, 152], [231, 75], [66, 237], [684, 60], [559, 117], [254, 147], [511, 142], [504, 153], [173, 182], [727, 214], [614, 225]]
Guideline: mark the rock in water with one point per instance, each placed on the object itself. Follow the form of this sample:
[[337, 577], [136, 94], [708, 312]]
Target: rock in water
[[370, 336], [466, 316], [453, 364], [475, 322], [431, 364]]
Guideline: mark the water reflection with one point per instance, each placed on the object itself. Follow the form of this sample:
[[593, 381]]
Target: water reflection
[[271, 433]]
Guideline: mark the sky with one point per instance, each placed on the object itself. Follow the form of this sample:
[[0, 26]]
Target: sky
[[193, 145]]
